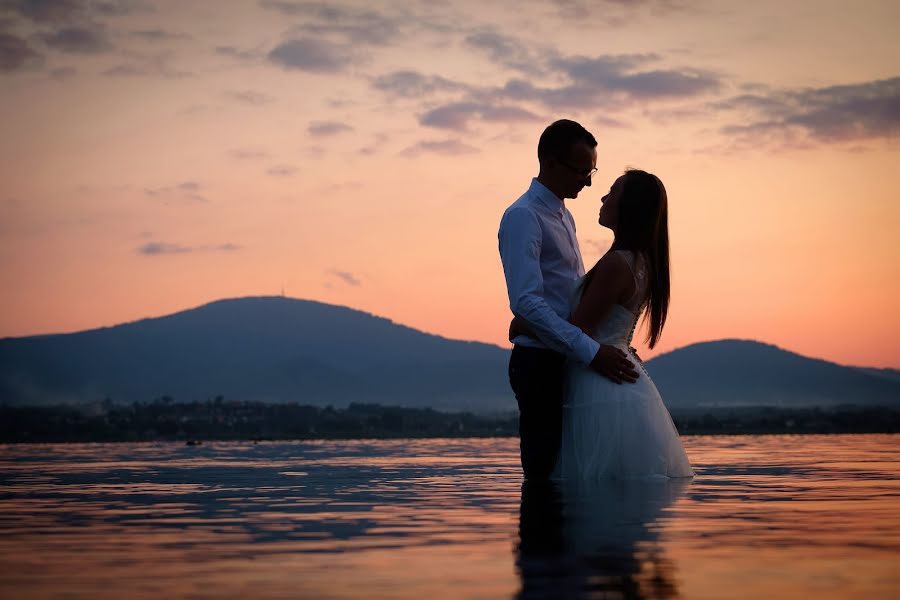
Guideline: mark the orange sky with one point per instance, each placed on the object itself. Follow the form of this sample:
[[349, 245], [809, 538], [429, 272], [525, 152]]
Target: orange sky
[[159, 155]]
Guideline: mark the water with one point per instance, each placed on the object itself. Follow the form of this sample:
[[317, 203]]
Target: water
[[766, 517]]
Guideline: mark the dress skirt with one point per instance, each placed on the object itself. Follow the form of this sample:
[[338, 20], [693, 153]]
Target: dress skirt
[[617, 431]]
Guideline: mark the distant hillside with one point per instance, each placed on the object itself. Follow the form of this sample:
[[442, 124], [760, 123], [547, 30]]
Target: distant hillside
[[730, 373], [892, 374], [269, 349], [275, 349]]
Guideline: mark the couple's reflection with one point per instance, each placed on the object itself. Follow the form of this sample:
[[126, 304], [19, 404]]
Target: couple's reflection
[[595, 540]]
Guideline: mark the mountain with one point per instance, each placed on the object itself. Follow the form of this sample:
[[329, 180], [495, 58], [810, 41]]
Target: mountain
[[270, 349], [729, 373], [276, 349], [892, 374]]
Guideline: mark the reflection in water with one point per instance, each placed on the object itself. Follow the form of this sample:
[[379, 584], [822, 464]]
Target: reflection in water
[[595, 540], [766, 517]]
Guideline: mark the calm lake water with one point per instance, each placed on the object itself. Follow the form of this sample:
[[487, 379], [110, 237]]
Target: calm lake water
[[766, 517]]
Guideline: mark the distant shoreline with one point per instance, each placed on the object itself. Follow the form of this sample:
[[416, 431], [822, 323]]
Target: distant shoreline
[[210, 441], [220, 420]]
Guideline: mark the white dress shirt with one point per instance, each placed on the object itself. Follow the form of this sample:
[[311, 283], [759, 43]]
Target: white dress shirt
[[541, 262]]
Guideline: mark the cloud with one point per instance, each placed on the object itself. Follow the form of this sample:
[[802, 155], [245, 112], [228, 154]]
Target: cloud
[[161, 248], [119, 8], [343, 186], [188, 186], [79, 40], [290, 9], [311, 54], [837, 113], [327, 128], [507, 50], [457, 115], [615, 12], [346, 277], [16, 54], [589, 93], [609, 122], [378, 141], [661, 84], [755, 88], [63, 73], [600, 68], [194, 109], [591, 81], [316, 151], [349, 24], [46, 11], [250, 97], [448, 147], [148, 66], [610, 82], [282, 171], [157, 35], [247, 153], [238, 53], [155, 248], [186, 191], [411, 84], [127, 71], [614, 80], [71, 12]]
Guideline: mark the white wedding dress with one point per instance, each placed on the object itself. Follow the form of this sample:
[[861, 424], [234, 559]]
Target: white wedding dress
[[613, 431]]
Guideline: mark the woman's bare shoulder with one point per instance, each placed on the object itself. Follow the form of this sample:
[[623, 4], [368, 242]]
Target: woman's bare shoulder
[[612, 264], [613, 271]]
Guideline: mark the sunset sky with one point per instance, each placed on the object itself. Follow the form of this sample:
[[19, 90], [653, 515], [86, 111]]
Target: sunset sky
[[155, 156]]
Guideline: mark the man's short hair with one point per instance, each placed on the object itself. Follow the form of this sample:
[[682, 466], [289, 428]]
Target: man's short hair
[[559, 138]]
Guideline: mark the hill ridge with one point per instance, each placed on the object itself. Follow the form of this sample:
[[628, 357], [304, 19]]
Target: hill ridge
[[281, 349]]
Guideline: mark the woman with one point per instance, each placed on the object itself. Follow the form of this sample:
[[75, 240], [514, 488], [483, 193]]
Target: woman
[[613, 430]]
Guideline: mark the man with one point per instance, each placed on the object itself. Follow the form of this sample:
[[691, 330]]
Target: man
[[541, 262]]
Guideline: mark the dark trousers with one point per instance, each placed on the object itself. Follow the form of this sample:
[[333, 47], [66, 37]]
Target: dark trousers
[[536, 376]]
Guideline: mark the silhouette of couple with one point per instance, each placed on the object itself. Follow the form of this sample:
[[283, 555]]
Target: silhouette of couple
[[587, 408]]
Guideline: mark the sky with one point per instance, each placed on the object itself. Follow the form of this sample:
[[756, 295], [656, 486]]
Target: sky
[[156, 156]]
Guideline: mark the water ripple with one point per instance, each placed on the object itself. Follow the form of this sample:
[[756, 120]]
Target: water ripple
[[780, 516]]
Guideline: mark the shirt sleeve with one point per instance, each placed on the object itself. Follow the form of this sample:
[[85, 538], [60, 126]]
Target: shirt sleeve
[[520, 252]]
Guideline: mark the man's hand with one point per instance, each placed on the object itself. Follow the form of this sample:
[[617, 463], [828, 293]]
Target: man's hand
[[633, 351], [613, 364], [518, 327]]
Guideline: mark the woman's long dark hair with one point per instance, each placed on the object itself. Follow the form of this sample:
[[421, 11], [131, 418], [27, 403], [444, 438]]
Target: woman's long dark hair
[[643, 227]]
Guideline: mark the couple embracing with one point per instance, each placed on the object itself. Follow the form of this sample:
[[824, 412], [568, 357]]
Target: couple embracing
[[587, 408]]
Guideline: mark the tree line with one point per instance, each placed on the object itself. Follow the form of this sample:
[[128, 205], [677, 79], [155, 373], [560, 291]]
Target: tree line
[[220, 419]]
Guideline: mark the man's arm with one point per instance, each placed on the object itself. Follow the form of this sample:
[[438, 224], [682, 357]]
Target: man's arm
[[520, 251]]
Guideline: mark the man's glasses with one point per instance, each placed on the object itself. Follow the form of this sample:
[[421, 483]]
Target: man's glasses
[[586, 173]]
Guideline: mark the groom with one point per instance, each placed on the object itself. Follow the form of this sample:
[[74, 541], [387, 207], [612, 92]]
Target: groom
[[541, 261]]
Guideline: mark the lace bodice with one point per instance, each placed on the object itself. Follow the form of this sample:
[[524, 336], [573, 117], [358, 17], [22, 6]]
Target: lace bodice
[[618, 328]]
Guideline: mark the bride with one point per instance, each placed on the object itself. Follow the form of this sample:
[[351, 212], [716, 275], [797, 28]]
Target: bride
[[610, 430]]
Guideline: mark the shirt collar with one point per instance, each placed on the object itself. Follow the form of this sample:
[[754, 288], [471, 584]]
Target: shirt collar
[[546, 197]]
